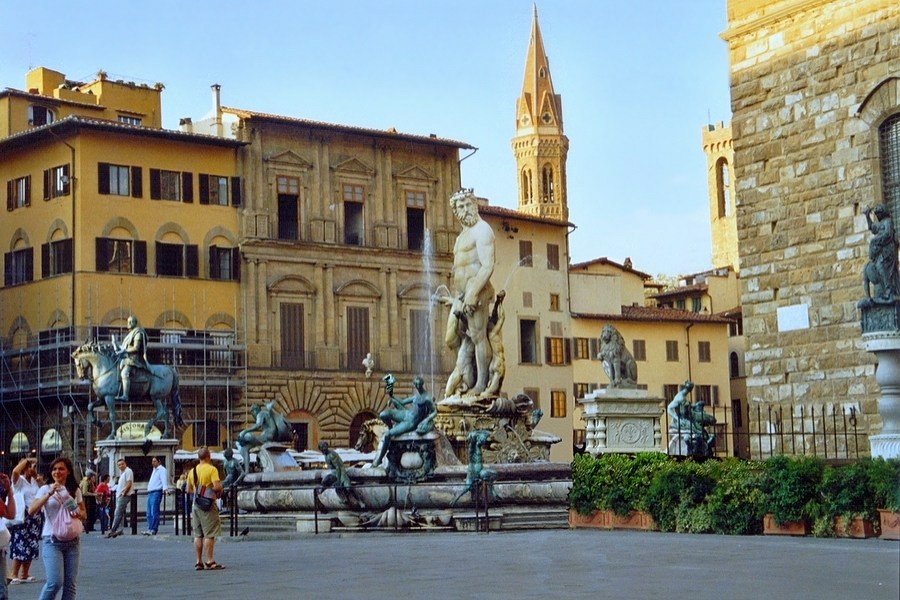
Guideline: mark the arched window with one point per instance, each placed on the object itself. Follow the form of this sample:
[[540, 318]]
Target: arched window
[[526, 187], [734, 365], [889, 153], [723, 184], [547, 184]]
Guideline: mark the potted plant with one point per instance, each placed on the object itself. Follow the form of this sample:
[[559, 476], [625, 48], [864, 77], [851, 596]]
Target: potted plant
[[884, 481], [848, 505], [792, 494]]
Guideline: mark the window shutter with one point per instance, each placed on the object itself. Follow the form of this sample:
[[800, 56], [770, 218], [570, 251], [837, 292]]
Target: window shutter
[[101, 254], [46, 184], [192, 260], [137, 182], [567, 348], [7, 269], [29, 265], [140, 257], [187, 187], [28, 192], [102, 178], [547, 350], [66, 180], [9, 195], [235, 191], [593, 348], [155, 185], [68, 259], [45, 259], [214, 270], [236, 264], [203, 182]]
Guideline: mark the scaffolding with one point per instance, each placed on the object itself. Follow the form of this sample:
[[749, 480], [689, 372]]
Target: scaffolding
[[42, 398]]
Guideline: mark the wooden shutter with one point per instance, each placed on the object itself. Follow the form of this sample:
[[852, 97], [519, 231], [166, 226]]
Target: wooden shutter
[[46, 184], [140, 257], [292, 336], [236, 264], [136, 182], [7, 269], [28, 192], [357, 334], [187, 187], [203, 181], [103, 178], [68, 257], [155, 185], [66, 180], [235, 191], [45, 259], [214, 270], [101, 254], [29, 264], [192, 260], [9, 195]]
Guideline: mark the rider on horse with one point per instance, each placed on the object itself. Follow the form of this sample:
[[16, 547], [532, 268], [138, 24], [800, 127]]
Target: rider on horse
[[132, 355]]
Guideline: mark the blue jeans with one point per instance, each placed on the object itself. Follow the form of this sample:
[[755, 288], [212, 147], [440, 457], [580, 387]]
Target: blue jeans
[[154, 499], [61, 568]]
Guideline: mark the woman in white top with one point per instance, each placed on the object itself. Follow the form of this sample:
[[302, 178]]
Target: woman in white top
[[26, 534], [60, 557]]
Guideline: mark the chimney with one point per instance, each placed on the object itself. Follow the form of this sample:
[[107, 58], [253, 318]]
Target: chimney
[[217, 107]]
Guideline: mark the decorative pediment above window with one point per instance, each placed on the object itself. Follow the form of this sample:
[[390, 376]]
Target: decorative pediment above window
[[415, 173], [288, 160], [292, 285], [357, 288], [353, 166]]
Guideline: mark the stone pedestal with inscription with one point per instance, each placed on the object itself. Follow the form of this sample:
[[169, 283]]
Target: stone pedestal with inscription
[[622, 420]]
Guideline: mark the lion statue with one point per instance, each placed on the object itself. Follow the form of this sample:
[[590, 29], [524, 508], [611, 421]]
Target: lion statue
[[618, 363]]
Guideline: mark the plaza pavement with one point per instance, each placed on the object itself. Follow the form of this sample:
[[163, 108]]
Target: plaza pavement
[[501, 565]]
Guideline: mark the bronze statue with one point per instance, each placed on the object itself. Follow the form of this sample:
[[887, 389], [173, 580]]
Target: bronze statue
[[270, 425], [881, 279], [419, 416], [132, 355], [234, 472], [475, 471], [338, 477], [689, 421]]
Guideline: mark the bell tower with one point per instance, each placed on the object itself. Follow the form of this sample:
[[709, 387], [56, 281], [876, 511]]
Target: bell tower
[[540, 146]]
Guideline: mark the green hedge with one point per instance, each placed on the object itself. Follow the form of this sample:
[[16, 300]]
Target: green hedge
[[731, 496]]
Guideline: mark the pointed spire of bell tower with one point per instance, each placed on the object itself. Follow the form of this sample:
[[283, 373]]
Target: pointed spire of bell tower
[[540, 146]]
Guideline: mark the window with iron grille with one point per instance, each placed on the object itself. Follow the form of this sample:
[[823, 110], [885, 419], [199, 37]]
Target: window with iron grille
[[889, 149]]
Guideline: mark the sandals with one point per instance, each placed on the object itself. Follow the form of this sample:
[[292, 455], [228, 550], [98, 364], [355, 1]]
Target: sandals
[[214, 566], [198, 566]]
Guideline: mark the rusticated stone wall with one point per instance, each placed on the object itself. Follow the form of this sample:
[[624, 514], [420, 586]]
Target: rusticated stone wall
[[806, 167]]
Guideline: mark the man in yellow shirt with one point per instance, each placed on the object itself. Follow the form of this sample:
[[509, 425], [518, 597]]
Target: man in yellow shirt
[[204, 479]]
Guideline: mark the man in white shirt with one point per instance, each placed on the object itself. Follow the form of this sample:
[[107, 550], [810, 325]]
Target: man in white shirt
[[124, 489], [155, 488]]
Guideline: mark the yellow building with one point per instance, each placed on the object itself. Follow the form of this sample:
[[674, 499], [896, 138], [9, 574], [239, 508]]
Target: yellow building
[[669, 345], [108, 216]]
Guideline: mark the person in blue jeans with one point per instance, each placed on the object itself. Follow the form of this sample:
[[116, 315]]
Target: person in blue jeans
[[157, 485], [60, 557], [7, 511]]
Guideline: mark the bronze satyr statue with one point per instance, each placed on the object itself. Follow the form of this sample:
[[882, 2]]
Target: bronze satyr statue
[[415, 413]]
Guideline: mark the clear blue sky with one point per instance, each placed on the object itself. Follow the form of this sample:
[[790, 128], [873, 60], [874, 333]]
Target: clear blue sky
[[638, 79]]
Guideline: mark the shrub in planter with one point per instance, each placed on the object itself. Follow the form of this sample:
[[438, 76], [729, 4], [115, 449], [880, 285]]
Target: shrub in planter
[[845, 492], [676, 495], [884, 482], [616, 482], [737, 504], [791, 485]]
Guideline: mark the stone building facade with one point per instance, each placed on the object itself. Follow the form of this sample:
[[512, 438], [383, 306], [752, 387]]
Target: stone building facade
[[815, 96]]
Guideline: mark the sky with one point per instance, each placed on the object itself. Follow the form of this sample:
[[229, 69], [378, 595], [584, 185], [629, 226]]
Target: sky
[[639, 79]]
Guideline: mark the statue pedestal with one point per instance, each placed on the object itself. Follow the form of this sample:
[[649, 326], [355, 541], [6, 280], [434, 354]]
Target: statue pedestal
[[886, 347], [511, 422], [622, 420], [274, 458]]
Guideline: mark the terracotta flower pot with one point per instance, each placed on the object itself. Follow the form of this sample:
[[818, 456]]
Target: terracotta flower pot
[[786, 528], [890, 524], [859, 528]]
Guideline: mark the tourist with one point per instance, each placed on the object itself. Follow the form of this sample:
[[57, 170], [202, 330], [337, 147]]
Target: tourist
[[124, 489], [26, 534], [8, 511], [155, 489], [103, 495], [87, 486], [206, 524], [60, 557]]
